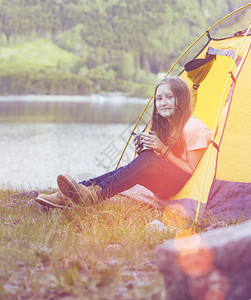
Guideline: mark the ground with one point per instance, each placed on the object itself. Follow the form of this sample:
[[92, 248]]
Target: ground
[[100, 252]]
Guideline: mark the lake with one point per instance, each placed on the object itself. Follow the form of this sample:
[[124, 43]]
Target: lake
[[113, 108], [33, 153]]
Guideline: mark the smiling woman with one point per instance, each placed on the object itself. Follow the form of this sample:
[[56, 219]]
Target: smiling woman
[[165, 101], [170, 153], [172, 109]]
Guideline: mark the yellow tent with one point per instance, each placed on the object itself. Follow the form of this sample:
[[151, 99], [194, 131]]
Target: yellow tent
[[219, 79], [221, 183]]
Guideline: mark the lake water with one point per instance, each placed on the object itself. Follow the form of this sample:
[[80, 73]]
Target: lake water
[[114, 108], [32, 154]]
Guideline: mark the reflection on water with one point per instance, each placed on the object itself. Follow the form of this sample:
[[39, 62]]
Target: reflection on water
[[88, 109], [43, 136], [33, 154]]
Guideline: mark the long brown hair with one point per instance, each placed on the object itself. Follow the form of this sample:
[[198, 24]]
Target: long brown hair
[[170, 130]]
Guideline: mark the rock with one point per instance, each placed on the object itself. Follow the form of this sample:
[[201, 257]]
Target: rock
[[39, 207], [30, 195], [18, 198], [154, 231], [212, 265], [115, 250], [155, 227]]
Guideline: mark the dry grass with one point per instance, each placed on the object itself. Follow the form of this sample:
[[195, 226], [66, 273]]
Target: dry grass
[[101, 252]]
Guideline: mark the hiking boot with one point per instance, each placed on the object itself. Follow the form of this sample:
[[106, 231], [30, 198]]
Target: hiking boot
[[55, 200], [78, 193]]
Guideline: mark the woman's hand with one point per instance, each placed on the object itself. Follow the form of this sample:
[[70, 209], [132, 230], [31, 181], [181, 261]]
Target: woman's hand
[[150, 140], [136, 144]]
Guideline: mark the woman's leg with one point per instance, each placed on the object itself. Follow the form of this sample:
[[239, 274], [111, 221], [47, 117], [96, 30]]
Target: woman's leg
[[150, 170], [98, 179]]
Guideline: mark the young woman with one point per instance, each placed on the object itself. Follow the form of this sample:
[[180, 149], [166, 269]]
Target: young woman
[[167, 155]]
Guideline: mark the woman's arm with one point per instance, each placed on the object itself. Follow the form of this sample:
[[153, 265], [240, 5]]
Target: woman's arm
[[193, 158], [152, 141]]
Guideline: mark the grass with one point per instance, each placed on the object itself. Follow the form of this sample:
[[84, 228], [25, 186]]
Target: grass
[[101, 252], [39, 53], [105, 251]]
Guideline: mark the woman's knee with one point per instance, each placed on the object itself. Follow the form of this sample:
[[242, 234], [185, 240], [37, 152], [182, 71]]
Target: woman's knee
[[151, 160]]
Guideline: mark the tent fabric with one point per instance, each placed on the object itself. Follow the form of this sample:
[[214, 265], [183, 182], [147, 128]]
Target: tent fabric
[[221, 184], [197, 63], [229, 201], [197, 71], [142, 194], [225, 169], [230, 53]]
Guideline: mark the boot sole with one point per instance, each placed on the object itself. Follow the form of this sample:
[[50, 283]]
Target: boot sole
[[48, 203], [69, 188]]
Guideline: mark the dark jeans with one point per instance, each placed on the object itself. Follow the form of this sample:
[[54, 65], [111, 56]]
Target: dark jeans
[[154, 172]]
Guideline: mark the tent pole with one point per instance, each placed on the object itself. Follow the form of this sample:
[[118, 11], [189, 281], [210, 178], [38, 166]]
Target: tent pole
[[230, 75], [169, 71]]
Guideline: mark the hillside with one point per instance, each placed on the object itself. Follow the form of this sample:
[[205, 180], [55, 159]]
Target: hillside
[[84, 46], [40, 67], [40, 53]]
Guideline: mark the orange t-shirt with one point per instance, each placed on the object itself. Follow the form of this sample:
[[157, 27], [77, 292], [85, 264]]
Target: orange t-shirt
[[196, 135]]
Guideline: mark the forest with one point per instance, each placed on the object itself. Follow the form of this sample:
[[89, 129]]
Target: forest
[[86, 46]]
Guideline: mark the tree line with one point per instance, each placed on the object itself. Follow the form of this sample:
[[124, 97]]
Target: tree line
[[118, 42]]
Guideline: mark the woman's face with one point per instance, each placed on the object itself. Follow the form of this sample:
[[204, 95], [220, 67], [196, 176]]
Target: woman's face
[[165, 101]]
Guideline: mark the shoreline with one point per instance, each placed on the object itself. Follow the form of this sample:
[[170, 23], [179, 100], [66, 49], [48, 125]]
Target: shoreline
[[74, 98]]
